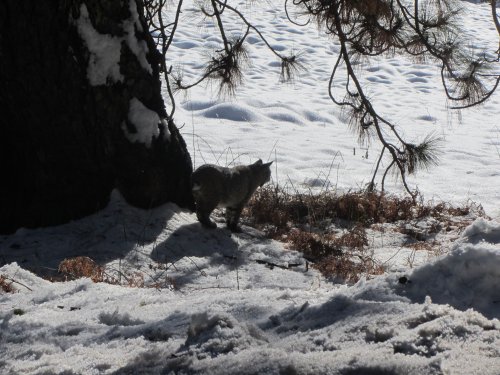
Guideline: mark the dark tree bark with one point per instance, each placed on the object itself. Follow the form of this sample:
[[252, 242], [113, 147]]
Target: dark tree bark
[[63, 146]]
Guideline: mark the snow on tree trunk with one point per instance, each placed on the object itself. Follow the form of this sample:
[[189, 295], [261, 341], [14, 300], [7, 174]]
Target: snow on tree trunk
[[81, 113]]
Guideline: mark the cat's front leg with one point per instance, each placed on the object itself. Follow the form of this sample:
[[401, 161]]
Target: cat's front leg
[[232, 218], [203, 211], [204, 219]]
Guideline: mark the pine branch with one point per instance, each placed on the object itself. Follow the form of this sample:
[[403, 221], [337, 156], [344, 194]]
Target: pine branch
[[424, 155], [289, 64]]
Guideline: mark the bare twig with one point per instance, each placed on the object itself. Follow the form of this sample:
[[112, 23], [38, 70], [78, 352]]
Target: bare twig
[[16, 282]]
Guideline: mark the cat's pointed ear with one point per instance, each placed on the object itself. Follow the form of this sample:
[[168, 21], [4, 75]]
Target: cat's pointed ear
[[267, 164], [258, 162]]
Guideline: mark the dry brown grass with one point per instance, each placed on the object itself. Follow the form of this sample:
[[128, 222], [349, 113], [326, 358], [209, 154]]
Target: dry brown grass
[[424, 245], [341, 256], [135, 280], [274, 205], [348, 268], [320, 245], [307, 223], [78, 267]]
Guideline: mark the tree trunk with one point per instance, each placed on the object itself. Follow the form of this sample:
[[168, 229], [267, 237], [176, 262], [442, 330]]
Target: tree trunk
[[74, 122]]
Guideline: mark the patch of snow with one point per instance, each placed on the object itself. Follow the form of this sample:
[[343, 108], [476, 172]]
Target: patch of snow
[[145, 121], [138, 47], [105, 50], [483, 230], [115, 319]]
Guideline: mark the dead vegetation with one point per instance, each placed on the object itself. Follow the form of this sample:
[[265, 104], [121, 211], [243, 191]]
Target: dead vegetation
[[79, 267], [276, 206], [85, 267], [331, 229], [6, 285]]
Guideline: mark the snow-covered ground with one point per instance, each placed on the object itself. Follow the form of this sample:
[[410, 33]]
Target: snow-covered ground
[[213, 302], [299, 127]]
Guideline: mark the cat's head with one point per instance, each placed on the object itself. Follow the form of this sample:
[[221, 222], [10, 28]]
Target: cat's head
[[261, 171]]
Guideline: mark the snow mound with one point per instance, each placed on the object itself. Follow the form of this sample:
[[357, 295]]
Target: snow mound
[[285, 116], [483, 231], [467, 277], [24, 280], [197, 105], [233, 112], [210, 336]]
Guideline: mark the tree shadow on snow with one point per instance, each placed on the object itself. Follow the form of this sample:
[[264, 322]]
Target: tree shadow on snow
[[107, 235], [333, 312]]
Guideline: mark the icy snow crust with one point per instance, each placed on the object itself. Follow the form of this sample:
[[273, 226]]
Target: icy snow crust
[[233, 313], [216, 303]]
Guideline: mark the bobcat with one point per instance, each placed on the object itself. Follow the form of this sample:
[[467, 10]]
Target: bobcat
[[215, 186]]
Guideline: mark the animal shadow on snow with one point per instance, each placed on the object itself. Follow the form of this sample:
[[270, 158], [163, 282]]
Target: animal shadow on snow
[[192, 240], [189, 243]]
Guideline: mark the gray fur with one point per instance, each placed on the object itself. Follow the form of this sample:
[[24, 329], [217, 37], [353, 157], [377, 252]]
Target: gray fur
[[215, 186]]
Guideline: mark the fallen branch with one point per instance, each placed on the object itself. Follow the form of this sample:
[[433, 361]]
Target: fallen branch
[[271, 265], [268, 264], [3, 278]]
